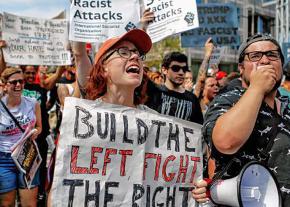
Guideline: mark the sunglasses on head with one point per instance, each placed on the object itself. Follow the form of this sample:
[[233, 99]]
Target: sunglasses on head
[[14, 82], [176, 68]]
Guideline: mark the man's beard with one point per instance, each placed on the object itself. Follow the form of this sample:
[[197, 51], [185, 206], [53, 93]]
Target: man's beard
[[175, 83]]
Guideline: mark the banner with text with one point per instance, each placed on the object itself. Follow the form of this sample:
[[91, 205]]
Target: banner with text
[[218, 21], [32, 41], [96, 21], [110, 155], [171, 17]]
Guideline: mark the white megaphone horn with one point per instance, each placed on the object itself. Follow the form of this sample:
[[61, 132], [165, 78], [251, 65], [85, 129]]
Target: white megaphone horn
[[255, 186]]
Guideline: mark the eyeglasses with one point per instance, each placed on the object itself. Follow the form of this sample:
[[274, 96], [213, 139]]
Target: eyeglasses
[[125, 53], [176, 68], [257, 55], [14, 82]]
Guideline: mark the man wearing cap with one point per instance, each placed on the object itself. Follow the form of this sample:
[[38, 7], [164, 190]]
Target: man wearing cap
[[172, 98], [250, 123]]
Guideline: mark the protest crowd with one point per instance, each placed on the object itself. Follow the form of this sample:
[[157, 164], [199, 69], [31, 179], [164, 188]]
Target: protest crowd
[[93, 116]]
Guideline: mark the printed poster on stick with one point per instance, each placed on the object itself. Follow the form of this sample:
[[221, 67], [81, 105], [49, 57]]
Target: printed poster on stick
[[111, 155], [171, 17], [32, 41], [96, 21]]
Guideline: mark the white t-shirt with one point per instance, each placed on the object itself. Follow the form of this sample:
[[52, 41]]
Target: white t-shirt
[[9, 131]]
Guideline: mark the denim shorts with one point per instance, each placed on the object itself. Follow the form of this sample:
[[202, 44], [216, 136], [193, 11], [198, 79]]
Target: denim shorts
[[10, 177]]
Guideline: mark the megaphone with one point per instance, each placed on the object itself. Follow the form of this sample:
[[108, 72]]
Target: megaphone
[[255, 186]]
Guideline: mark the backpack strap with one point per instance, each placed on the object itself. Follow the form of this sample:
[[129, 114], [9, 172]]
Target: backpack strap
[[11, 115]]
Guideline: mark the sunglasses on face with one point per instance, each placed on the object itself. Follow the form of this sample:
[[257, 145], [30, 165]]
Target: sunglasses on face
[[14, 82], [176, 68]]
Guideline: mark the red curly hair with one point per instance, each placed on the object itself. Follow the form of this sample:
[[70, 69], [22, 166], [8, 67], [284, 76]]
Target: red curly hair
[[96, 86]]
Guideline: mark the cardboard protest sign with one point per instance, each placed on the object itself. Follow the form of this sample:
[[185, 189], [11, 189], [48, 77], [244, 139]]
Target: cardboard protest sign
[[32, 41], [96, 21], [111, 155], [218, 21], [171, 17]]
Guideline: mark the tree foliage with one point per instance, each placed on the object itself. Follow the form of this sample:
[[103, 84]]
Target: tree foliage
[[159, 49]]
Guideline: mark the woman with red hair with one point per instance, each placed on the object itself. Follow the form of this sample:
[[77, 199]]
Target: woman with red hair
[[116, 77]]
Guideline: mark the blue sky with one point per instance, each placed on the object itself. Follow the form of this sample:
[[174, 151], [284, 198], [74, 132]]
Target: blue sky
[[34, 8]]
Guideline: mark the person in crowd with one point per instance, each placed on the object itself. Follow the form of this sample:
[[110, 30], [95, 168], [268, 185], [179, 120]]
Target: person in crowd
[[171, 98], [188, 81], [116, 77], [27, 113], [66, 87], [209, 92], [203, 69], [221, 77], [39, 92], [156, 77], [250, 122], [284, 90], [34, 90]]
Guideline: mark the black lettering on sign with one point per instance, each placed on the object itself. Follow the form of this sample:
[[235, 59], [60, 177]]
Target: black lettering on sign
[[170, 198], [148, 197], [125, 135], [185, 195], [187, 141], [102, 135], [92, 197], [173, 137], [138, 192], [72, 184], [84, 120], [159, 124], [142, 136], [113, 127], [157, 190], [108, 196]]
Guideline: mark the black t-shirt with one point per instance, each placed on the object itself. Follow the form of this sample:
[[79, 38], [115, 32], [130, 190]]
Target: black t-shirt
[[40, 94], [181, 105], [268, 121]]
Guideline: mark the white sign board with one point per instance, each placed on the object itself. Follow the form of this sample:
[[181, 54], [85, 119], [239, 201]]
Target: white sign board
[[96, 21], [111, 155], [217, 55], [171, 17], [32, 41]]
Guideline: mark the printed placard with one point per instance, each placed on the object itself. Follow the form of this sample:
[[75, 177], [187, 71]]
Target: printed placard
[[218, 21], [171, 17], [217, 55], [32, 41], [96, 21], [111, 155]]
